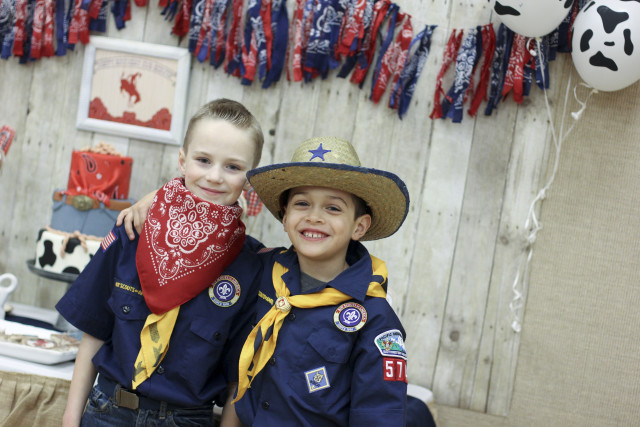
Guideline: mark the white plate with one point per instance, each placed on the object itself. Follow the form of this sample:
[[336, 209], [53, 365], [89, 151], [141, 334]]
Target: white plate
[[32, 354]]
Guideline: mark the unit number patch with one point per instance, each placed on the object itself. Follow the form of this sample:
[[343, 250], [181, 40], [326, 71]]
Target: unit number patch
[[395, 369]]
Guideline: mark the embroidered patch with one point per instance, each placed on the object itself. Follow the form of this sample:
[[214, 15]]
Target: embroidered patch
[[108, 240], [317, 379], [225, 291], [128, 288], [394, 369], [391, 344], [350, 317]]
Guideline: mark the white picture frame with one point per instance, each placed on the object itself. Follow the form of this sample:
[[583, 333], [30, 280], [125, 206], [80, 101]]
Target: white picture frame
[[134, 89]]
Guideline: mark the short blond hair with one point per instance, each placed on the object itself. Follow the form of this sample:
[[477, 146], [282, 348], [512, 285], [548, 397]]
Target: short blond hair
[[234, 113]]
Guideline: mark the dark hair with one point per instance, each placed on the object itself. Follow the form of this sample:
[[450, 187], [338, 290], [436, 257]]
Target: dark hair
[[361, 207], [234, 113]]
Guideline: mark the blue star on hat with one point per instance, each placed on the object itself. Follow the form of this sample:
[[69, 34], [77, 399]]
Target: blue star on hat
[[318, 152]]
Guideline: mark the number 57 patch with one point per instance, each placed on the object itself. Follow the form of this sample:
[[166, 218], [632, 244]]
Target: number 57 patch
[[395, 369]]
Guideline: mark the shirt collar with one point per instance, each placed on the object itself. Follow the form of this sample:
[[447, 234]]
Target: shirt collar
[[354, 281]]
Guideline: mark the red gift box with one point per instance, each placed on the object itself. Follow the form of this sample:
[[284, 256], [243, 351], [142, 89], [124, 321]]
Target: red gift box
[[100, 176]]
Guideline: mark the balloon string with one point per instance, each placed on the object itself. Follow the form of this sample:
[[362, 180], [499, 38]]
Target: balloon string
[[583, 104], [532, 223]]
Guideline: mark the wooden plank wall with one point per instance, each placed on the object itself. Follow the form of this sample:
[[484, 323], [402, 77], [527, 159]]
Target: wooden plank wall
[[451, 265]]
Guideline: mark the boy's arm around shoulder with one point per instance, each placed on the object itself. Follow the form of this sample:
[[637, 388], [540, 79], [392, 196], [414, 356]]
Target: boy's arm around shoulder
[[379, 357]]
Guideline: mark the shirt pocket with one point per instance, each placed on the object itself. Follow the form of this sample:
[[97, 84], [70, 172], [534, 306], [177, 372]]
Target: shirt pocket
[[321, 375], [202, 347], [128, 307]]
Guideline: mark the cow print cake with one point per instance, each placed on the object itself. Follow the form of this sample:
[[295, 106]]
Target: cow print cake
[[60, 252]]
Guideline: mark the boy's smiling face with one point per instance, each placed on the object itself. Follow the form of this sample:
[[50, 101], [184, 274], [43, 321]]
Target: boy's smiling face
[[320, 223], [217, 160]]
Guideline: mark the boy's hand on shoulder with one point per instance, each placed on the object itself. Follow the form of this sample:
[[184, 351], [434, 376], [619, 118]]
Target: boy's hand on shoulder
[[135, 216], [265, 250]]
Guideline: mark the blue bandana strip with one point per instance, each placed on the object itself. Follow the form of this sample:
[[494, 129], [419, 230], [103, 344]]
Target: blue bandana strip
[[7, 22], [499, 67], [195, 24], [323, 37], [405, 86], [280, 30], [452, 104]]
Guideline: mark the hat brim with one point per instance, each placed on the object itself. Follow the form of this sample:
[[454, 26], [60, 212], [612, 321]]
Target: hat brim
[[384, 192]]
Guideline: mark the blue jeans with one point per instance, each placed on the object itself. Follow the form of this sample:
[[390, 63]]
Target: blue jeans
[[102, 411]]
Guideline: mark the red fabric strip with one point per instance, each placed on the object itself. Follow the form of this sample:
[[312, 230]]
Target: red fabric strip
[[488, 50], [449, 57], [36, 30], [21, 19], [369, 45]]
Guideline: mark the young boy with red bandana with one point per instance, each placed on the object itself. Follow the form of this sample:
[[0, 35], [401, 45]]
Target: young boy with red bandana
[[162, 314]]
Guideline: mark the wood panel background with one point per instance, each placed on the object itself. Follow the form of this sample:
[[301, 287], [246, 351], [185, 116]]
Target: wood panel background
[[452, 264]]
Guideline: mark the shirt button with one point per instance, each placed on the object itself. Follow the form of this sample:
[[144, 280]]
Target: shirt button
[[217, 335], [160, 370], [265, 405], [126, 309], [291, 316], [272, 361]]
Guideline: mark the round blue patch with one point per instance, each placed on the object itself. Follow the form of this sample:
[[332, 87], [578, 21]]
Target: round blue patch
[[225, 291], [350, 317]]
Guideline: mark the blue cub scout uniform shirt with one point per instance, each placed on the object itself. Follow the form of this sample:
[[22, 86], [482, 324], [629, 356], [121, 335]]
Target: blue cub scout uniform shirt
[[106, 301], [341, 364]]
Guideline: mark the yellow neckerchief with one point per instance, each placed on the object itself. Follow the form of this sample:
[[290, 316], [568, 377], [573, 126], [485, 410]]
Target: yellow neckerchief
[[257, 350], [154, 337]]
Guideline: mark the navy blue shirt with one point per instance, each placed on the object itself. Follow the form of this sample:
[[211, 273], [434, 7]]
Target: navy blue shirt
[[106, 302], [341, 364]]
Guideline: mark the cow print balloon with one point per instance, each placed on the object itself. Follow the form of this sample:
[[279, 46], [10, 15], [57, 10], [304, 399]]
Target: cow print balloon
[[606, 43], [532, 18]]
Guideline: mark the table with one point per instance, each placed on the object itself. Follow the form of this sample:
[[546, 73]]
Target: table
[[33, 394]]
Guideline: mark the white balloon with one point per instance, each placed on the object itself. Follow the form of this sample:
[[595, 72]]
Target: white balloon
[[606, 43], [532, 18]]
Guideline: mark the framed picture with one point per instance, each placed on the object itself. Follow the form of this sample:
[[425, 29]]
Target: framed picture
[[134, 89]]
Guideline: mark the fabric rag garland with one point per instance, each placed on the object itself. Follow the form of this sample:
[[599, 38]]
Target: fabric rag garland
[[254, 40], [511, 63]]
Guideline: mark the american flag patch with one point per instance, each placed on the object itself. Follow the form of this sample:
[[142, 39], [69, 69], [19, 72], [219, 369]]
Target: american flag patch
[[108, 240]]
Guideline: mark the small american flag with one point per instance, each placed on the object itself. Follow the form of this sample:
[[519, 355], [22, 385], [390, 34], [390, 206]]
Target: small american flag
[[108, 240], [254, 204]]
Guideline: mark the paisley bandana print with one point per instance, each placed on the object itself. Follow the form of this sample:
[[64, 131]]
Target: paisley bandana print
[[186, 244], [466, 61]]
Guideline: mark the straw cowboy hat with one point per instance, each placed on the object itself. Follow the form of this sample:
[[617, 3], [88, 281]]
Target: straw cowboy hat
[[333, 162]]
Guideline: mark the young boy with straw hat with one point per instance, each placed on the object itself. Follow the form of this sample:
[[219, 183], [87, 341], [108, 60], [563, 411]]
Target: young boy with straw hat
[[327, 349]]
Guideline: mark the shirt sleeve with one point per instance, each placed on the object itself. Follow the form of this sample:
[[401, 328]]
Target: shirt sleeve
[[85, 303], [379, 383]]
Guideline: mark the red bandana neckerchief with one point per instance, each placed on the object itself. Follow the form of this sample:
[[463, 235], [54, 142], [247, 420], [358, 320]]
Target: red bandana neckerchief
[[186, 244]]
